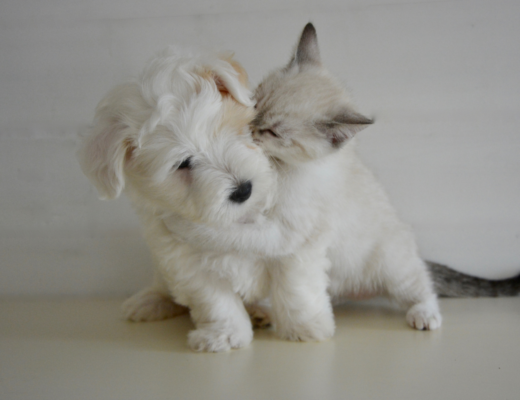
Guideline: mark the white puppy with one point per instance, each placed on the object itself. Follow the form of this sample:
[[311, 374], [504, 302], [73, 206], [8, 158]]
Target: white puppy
[[177, 140]]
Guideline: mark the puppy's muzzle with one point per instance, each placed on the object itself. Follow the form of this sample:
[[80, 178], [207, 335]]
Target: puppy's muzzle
[[242, 192]]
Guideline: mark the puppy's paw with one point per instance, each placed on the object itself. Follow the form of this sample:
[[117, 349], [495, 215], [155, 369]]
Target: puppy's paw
[[316, 329], [424, 316], [218, 338], [151, 305], [259, 316]]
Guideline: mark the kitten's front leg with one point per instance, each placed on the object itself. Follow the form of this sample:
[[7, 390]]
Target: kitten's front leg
[[301, 307], [407, 281]]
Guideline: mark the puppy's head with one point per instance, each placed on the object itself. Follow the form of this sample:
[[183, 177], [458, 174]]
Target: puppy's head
[[178, 140]]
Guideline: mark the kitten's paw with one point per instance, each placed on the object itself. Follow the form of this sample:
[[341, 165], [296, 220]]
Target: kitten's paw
[[218, 338], [259, 316], [317, 329], [424, 316], [151, 305]]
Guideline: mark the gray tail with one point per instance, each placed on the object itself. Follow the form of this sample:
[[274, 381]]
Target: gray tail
[[450, 283]]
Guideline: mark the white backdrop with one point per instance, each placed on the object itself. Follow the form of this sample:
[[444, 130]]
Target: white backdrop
[[441, 77]]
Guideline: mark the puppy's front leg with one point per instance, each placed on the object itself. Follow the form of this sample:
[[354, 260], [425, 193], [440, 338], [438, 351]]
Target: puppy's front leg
[[221, 320], [301, 307], [152, 303]]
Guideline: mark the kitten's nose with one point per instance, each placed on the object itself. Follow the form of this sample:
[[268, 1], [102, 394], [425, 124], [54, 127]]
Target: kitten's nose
[[242, 192]]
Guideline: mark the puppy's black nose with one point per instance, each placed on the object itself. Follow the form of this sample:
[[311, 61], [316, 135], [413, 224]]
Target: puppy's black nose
[[242, 192]]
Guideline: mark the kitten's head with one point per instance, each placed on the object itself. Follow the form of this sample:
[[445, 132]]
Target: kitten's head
[[303, 113]]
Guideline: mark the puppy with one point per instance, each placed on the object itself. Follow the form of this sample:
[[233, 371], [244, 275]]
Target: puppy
[[177, 141]]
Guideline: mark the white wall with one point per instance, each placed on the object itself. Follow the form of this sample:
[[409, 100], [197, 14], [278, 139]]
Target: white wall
[[442, 78]]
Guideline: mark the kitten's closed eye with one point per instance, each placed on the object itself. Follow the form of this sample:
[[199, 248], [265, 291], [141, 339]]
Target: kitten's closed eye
[[270, 132]]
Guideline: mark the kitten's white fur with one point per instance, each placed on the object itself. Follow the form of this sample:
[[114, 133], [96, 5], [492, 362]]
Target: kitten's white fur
[[329, 206]]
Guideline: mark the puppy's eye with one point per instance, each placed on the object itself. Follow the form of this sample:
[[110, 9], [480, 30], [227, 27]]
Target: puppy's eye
[[185, 164]]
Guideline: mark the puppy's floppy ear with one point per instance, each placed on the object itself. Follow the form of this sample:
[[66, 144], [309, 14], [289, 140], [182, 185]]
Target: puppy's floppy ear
[[342, 126], [106, 147], [102, 157], [230, 77]]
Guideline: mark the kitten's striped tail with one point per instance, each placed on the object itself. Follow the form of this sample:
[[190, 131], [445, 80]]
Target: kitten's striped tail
[[450, 283]]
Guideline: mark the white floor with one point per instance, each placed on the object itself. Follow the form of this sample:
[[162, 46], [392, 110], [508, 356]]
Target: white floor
[[81, 349]]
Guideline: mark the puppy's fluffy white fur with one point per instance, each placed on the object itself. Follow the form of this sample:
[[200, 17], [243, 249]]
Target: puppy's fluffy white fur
[[191, 111]]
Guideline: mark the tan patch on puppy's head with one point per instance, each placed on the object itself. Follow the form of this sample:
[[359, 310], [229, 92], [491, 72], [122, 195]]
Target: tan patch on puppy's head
[[235, 116], [242, 74]]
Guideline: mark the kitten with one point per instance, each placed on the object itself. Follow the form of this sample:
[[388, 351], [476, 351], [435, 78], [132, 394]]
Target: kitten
[[305, 116], [327, 200], [306, 124], [284, 103]]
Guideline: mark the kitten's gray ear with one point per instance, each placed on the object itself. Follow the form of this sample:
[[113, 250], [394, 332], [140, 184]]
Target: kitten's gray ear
[[342, 126], [307, 53]]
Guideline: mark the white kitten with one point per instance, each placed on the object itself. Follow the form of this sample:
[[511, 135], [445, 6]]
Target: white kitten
[[329, 203]]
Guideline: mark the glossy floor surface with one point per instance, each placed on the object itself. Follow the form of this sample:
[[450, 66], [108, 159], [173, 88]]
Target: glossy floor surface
[[82, 349]]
